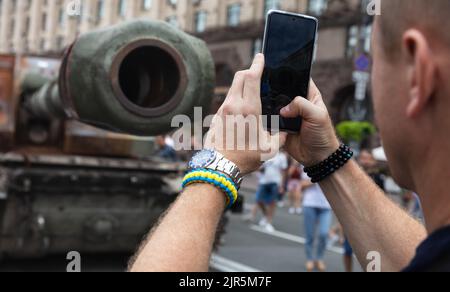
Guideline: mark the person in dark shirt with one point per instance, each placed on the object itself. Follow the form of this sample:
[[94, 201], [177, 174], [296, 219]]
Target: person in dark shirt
[[369, 164], [411, 96], [166, 151]]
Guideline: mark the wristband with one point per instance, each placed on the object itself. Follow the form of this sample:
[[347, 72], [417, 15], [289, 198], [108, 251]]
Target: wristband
[[329, 166], [214, 178]]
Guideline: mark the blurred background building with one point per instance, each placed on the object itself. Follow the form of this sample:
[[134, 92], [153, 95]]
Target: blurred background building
[[233, 30]]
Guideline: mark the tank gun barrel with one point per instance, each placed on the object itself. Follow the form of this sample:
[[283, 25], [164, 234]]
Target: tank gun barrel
[[131, 78]]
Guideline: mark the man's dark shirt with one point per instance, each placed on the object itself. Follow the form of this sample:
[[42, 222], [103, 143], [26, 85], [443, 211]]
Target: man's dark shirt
[[433, 255]]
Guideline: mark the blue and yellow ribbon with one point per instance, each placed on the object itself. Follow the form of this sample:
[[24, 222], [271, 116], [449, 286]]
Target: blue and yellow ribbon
[[217, 179]]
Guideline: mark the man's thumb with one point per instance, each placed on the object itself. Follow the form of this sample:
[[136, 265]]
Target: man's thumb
[[300, 107]]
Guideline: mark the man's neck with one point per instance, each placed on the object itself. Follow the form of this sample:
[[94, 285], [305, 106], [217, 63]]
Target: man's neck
[[433, 186]]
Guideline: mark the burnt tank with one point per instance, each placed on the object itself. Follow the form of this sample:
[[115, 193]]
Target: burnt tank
[[74, 132]]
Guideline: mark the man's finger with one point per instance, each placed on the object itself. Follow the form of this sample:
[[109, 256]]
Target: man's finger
[[314, 94], [237, 87], [279, 139], [252, 86], [258, 65], [313, 90], [300, 107]]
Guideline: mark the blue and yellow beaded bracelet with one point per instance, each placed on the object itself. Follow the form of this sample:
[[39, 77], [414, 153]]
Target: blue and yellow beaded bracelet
[[216, 179]]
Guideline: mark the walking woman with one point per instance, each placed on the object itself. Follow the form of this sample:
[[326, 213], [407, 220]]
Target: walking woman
[[318, 217]]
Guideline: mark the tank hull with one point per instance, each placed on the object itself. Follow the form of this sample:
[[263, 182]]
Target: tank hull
[[56, 204]]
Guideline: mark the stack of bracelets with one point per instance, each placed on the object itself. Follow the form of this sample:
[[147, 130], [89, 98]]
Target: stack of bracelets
[[216, 179], [332, 164], [211, 167]]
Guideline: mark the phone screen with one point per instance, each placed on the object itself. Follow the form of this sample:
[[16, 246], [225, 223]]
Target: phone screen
[[289, 50]]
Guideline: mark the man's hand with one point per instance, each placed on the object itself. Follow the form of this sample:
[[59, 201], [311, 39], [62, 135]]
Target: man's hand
[[317, 139], [237, 130]]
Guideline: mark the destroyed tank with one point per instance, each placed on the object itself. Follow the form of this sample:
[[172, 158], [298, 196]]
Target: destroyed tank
[[77, 170]]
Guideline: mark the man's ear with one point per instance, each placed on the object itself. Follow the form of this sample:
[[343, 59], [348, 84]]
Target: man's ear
[[421, 71]]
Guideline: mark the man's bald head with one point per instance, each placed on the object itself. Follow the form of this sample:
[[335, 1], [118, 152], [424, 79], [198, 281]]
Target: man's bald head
[[410, 88], [433, 17]]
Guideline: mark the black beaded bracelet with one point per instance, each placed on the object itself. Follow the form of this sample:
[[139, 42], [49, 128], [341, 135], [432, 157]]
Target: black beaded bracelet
[[329, 166]]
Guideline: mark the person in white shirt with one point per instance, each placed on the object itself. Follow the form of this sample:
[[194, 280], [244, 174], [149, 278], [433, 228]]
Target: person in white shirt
[[271, 182], [318, 217]]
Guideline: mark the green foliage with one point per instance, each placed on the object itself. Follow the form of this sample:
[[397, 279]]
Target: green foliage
[[355, 131]]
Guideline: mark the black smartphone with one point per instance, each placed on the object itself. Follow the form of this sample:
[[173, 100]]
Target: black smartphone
[[289, 48]]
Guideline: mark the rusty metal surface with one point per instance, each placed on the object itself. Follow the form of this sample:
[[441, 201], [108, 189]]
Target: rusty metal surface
[[92, 162], [60, 203], [55, 203], [7, 113], [81, 139]]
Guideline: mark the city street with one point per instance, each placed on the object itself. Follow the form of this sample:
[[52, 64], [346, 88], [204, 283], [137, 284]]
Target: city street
[[247, 247]]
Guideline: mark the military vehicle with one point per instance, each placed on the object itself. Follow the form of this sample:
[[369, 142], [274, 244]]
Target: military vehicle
[[71, 176]]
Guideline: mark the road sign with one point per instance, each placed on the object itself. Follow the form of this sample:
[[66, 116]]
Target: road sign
[[362, 63]]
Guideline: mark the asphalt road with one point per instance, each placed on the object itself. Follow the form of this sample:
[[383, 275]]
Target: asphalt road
[[248, 247]]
